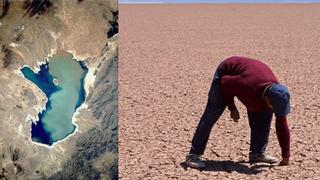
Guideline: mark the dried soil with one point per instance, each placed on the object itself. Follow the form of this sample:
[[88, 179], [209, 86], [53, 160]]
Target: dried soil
[[168, 54]]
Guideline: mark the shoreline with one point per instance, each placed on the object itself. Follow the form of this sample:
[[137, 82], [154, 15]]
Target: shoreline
[[38, 107]]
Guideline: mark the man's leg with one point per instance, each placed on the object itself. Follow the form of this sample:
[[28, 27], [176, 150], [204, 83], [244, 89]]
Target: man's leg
[[260, 123], [213, 111], [210, 116], [214, 108]]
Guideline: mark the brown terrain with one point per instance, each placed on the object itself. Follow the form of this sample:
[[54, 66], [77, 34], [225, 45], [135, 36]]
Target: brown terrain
[[30, 32], [168, 56]]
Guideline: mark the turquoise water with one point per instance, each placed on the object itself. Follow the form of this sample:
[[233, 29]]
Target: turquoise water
[[61, 79]]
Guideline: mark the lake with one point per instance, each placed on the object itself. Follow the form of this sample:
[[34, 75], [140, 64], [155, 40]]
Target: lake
[[61, 79]]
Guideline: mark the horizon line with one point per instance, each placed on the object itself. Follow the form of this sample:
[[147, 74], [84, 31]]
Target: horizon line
[[204, 2]]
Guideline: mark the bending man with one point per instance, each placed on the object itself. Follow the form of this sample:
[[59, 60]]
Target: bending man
[[255, 85]]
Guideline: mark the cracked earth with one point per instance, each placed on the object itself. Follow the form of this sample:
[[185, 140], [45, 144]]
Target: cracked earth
[[168, 54]]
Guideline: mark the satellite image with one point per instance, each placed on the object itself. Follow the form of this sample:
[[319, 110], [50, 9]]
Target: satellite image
[[59, 89]]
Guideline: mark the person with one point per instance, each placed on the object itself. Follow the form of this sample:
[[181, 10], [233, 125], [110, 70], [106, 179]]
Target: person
[[255, 85]]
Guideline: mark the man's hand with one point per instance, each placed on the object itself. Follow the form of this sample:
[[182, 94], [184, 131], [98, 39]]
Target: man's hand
[[235, 115], [284, 162]]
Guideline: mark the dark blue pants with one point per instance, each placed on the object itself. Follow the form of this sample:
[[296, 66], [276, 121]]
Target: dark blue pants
[[259, 122]]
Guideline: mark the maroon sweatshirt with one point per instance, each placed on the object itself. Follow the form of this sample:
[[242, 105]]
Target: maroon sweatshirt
[[247, 79]]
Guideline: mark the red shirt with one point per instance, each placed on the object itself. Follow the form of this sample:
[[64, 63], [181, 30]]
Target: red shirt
[[247, 79]]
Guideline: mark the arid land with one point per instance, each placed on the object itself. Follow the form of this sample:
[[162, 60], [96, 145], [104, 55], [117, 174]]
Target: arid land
[[30, 32], [168, 56]]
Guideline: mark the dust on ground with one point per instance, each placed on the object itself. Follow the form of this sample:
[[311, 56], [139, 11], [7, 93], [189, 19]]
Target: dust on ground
[[168, 56]]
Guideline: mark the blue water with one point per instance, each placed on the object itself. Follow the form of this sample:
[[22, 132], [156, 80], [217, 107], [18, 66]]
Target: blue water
[[64, 96]]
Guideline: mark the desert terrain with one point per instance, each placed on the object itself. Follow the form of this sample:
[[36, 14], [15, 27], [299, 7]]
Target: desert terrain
[[168, 54], [30, 32]]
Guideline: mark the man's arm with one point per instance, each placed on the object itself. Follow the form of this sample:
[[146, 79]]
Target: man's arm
[[232, 85], [230, 101], [234, 113], [283, 134]]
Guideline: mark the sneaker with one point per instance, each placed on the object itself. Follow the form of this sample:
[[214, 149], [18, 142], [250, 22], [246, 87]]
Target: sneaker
[[262, 157], [194, 161]]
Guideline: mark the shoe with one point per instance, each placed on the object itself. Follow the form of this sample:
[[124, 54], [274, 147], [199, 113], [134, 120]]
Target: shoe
[[262, 157], [194, 161]]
